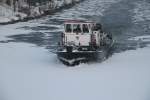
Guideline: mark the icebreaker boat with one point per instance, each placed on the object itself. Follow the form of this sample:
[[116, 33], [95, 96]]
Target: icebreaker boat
[[82, 41]]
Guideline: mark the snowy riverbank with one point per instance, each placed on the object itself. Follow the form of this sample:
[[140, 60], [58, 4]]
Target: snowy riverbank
[[7, 15]]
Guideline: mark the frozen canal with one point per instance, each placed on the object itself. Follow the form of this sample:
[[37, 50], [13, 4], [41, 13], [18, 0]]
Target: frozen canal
[[29, 71]]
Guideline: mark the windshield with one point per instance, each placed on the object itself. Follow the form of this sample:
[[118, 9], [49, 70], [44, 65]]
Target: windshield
[[68, 28], [77, 28], [85, 28]]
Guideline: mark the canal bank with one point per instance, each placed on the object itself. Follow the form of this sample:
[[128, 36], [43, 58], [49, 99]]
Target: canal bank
[[9, 16]]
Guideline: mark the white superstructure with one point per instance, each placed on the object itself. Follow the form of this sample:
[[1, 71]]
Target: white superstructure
[[79, 33]]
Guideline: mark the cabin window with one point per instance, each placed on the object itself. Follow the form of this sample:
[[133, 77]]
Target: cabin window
[[97, 27], [68, 28], [76, 28], [85, 28]]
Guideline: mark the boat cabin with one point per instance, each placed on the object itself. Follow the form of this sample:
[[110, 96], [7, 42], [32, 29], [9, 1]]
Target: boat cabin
[[83, 41], [81, 33]]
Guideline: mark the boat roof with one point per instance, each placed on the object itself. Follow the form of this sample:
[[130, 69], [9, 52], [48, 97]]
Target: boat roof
[[77, 21]]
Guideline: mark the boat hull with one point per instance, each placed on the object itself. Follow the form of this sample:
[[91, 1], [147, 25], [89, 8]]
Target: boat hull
[[75, 58]]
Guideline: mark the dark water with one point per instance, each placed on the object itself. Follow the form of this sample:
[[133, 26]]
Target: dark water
[[116, 18]]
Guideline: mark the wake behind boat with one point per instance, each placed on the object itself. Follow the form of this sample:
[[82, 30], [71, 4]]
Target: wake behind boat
[[83, 41]]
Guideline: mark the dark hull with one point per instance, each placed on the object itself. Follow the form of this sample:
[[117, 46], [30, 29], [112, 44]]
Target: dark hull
[[75, 58]]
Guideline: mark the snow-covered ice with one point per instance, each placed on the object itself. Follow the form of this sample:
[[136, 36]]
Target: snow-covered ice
[[28, 72], [86, 9], [142, 11], [144, 38], [10, 30], [33, 73]]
